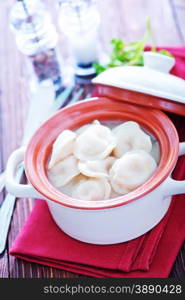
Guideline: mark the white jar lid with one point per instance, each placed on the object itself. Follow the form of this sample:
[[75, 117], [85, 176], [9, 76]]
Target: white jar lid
[[153, 78]]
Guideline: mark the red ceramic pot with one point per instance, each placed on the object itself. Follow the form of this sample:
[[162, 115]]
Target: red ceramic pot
[[105, 221]]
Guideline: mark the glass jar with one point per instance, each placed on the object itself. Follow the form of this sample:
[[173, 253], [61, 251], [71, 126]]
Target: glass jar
[[37, 38], [79, 20]]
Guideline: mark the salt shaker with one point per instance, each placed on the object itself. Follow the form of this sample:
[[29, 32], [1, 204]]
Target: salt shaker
[[79, 20], [36, 37]]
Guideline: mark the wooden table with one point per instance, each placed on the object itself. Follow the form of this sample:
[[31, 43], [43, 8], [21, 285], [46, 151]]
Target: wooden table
[[120, 18]]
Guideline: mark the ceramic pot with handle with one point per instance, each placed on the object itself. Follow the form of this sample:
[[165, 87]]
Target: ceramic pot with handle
[[106, 221]]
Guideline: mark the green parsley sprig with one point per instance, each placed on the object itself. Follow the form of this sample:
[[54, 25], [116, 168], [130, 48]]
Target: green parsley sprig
[[130, 54]]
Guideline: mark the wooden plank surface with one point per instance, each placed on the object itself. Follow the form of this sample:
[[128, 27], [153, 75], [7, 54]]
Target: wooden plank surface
[[121, 19]]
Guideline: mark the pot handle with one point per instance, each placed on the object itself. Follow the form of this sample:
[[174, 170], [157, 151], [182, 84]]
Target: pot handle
[[175, 187], [15, 162]]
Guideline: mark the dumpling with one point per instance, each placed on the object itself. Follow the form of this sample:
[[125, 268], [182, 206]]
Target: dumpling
[[62, 172], [96, 142], [131, 170], [69, 187], [62, 147], [84, 127], [128, 124], [130, 137], [92, 189], [97, 188], [96, 168], [113, 194]]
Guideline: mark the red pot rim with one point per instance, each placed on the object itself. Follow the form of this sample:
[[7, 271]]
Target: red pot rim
[[102, 109]]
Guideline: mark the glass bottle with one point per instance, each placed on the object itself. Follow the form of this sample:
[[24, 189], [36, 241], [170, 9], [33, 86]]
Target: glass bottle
[[37, 38], [79, 20]]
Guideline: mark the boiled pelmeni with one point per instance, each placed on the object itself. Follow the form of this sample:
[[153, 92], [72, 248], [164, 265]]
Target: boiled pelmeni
[[69, 187], [128, 124], [62, 147], [84, 127], [119, 188], [130, 137], [96, 168], [96, 142], [131, 170], [92, 189], [62, 172], [113, 194]]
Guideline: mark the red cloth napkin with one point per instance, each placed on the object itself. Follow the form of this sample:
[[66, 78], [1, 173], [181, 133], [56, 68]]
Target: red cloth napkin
[[151, 255]]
